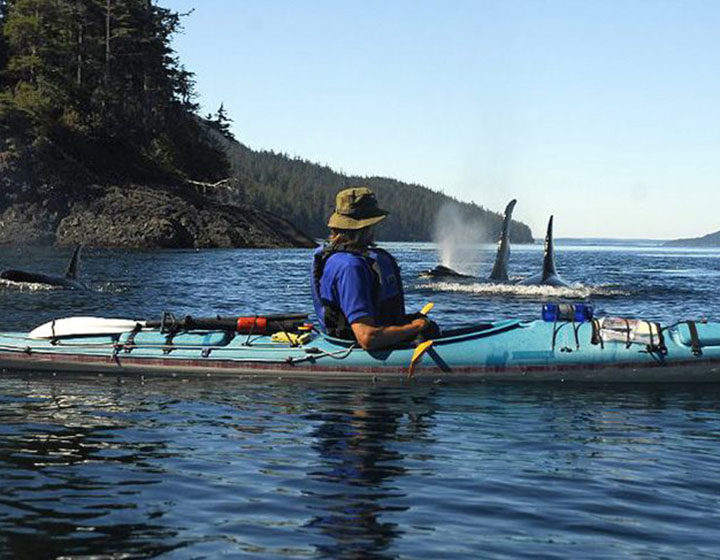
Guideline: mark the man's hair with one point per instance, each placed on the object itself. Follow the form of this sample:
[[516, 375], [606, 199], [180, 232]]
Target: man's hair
[[354, 240]]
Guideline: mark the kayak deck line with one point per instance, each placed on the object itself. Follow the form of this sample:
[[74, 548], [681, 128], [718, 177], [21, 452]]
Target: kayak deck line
[[509, 350], [117, 349], [681, 371]]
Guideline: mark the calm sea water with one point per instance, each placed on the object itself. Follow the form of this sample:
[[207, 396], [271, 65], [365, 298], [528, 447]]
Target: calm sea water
[[96, 468]]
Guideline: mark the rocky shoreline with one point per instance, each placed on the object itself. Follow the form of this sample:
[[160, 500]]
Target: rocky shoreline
[[142, 217]]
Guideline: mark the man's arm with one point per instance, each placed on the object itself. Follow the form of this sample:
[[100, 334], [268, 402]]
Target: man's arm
[[372, 337]]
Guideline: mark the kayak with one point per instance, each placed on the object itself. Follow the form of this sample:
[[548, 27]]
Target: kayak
[[608, 349]]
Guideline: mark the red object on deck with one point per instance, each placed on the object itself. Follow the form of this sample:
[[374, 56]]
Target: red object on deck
[[254, 325]]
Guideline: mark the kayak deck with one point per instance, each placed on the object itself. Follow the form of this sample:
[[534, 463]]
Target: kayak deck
[[504, 351]]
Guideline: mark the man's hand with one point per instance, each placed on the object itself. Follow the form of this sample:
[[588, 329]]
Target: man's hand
[[430, 330], [372, 337]]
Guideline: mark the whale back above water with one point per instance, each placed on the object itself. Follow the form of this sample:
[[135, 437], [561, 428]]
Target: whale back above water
[[69, 280], [442, 271]]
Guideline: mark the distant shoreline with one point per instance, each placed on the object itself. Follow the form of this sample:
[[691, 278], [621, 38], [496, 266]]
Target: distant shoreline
[[708, 241]]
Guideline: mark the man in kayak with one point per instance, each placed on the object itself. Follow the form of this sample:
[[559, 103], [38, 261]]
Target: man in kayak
[[357, 289]]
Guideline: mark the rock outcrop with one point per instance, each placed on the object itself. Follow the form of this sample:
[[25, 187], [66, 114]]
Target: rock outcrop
[[143, 217]]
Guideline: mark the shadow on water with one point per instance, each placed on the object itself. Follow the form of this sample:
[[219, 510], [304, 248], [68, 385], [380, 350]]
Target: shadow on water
[[89, 467], [355, 480]]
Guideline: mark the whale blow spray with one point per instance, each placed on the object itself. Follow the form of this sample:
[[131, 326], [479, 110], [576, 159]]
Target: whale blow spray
[[457, 237]]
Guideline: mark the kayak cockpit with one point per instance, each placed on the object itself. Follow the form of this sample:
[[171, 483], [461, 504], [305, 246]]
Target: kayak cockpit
[[469, 332]]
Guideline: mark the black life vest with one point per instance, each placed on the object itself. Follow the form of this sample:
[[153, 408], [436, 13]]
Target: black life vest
[[387, 291]]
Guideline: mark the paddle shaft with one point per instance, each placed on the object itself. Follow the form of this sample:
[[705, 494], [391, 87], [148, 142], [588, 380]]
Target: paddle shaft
[[266, 324], [101, 326]]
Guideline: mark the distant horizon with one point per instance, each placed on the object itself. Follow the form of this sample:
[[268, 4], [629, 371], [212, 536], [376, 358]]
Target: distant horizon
[[563, 240], [604, 115]]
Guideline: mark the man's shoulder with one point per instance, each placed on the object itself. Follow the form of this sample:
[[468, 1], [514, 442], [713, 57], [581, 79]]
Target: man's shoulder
[[344, 260], [380, 253], [347, 267]]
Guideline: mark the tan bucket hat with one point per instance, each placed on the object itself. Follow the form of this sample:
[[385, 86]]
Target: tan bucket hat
[[356, 208]]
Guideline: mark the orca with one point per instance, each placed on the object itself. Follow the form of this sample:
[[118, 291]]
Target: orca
[[499, 275], [548, 276], [442, 271], [499, 272], [69, 280]]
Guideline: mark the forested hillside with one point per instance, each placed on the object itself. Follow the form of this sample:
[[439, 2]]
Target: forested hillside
[[100, 140], [304, 193], [91, 89], [93, 99]]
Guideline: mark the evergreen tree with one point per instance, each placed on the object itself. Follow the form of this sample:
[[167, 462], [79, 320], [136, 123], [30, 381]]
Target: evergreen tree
[[3, 43], [224, 121], [220, 121], [32, 33], [3, 81], [97, 81]]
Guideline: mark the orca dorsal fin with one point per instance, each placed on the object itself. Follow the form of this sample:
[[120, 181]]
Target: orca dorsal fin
[[500, 271], [549, 253], [73, 266]]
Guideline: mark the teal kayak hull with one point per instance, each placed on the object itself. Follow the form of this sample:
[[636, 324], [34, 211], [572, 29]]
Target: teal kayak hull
[[502, 351]]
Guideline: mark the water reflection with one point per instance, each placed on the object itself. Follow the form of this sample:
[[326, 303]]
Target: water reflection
[[199, 470], [358, 443], [71, 481]]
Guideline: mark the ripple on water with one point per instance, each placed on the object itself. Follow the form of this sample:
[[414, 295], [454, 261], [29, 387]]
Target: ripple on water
[[305, 470], [200, 469], [575, 291], [11, 286]]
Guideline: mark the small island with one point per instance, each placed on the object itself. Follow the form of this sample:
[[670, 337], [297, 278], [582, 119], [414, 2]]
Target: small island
[[709, 240]]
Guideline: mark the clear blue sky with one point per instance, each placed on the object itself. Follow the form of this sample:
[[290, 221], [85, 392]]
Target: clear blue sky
[[603, 113]]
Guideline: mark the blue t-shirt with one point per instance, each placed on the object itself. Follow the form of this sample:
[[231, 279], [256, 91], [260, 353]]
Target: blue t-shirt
[[347, 281]]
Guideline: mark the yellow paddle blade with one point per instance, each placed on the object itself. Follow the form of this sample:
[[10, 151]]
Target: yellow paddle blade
[[427, 307], [419, 351]]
